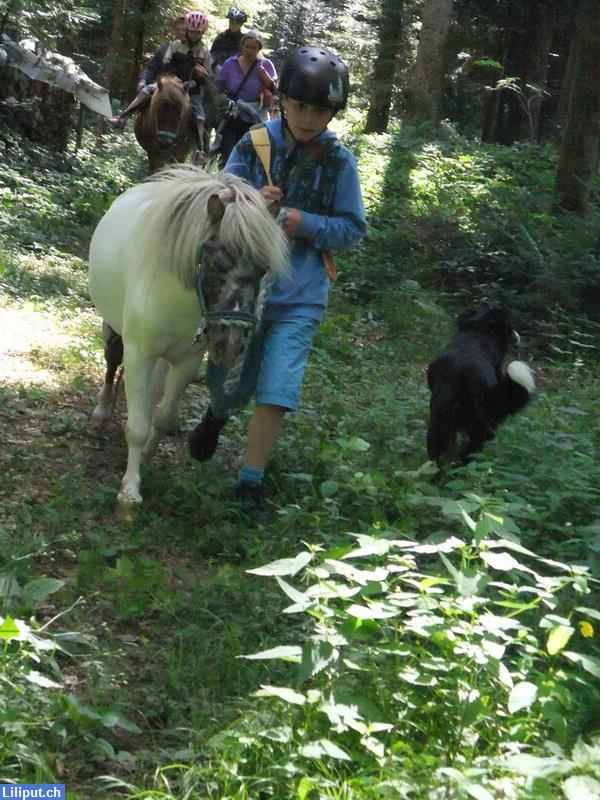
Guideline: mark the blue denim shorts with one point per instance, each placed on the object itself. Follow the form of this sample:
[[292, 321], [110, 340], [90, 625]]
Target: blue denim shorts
[[273, 369], [197, 106]]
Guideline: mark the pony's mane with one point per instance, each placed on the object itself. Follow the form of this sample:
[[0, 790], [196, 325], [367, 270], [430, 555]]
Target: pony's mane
[[171, 90], [175, 222]]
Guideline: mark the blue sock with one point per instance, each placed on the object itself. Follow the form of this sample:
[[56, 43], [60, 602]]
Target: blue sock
[[250, 475]]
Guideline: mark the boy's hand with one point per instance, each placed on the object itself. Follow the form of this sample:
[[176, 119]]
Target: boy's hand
[[291, 221], [271, 194], [199, 71]]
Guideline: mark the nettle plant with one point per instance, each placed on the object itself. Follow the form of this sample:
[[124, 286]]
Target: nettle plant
[[40, 720], [436, 668]]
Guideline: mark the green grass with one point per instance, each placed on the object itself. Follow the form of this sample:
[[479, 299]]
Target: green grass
[[157, 608]]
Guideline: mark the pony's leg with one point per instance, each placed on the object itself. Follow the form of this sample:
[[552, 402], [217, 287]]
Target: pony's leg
[[138, 374], [165, 416], [157, 383], [113, 355]]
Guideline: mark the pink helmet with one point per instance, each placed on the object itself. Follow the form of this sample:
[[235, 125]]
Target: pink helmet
[[196, 21]]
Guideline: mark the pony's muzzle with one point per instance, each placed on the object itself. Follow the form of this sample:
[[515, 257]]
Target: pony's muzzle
[[228, 348]]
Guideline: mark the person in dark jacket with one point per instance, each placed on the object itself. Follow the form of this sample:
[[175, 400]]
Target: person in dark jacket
[[228, 43], [154, 63]]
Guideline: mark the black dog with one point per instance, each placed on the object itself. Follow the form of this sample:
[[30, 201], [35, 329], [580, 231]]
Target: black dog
[[471, 392]]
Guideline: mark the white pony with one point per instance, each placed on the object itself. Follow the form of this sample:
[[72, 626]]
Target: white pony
[[179, 265]]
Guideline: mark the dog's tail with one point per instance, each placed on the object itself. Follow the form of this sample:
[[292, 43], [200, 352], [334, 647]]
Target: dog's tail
[[514, 390]]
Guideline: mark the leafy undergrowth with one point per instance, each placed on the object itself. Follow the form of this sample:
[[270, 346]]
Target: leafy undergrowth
[[411, 635]]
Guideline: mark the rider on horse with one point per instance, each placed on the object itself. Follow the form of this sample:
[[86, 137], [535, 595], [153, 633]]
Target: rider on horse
[[190, 60], [229, 42]]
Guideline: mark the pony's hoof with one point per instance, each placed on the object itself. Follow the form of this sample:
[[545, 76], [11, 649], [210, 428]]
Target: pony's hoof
[[98, 419], [128, 499]]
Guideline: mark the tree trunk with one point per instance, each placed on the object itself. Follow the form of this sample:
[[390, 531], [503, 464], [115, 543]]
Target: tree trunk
[[541, 28], [517, 107], [559, 77], [425, 91], [382, 80], [138, 55], [578, 157], [565, 91], [113, 52]]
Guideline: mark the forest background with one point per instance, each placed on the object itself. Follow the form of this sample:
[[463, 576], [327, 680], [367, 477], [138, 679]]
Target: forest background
[[441, 640]]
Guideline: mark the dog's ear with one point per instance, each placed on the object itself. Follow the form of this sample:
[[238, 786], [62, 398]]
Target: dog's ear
[[497, 316], [488, 320], [495, 321]]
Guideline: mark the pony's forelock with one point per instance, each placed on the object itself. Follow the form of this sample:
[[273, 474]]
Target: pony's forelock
[[175, 222], [248, 227]]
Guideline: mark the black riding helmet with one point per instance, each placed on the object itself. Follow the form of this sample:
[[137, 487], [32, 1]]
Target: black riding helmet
[[236, 14], [316, 76]]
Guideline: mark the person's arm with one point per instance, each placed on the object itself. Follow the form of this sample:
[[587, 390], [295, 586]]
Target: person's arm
[[208, 61], [152, 67], [214, 48], [267, 74], [346, 225], [222, 79]]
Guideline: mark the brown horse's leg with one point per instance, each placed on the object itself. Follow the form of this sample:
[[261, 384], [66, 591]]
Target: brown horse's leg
[[113, 354]]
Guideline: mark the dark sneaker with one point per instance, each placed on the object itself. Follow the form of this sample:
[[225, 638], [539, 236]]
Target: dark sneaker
[[252, 499], [205, 437]]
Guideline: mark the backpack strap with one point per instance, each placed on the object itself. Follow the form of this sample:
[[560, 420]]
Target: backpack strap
[[262, 144]]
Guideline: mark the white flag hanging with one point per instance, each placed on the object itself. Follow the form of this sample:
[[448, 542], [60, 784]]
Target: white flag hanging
[[40, 64]]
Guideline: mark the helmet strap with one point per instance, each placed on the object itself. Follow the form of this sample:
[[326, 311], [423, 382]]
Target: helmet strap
[[287, 128]]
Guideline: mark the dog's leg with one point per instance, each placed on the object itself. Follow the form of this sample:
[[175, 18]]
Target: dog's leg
[[440, 438], [477, 435]]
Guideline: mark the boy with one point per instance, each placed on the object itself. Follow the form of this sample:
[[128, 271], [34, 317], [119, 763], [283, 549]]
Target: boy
[[316, 181]]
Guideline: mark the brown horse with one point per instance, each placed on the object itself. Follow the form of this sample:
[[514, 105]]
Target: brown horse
[[165, 128]]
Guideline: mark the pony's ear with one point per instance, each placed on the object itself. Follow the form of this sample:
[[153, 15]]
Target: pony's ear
[[215, 209], [217, 202], [226, 195]]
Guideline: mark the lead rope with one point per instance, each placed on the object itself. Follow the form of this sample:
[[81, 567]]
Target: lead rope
[[232, 381], [250, 320]]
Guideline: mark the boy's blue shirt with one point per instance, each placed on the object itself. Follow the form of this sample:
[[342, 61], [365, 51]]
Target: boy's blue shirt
[[323, 183]]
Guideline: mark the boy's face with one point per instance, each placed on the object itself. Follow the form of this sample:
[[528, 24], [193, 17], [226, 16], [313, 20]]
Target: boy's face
[[193, 37], [235, 25], [304, 119], [180, 30]]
